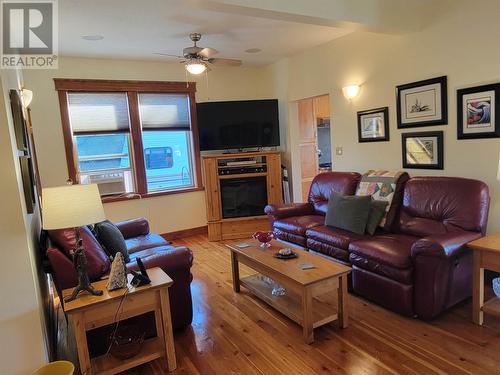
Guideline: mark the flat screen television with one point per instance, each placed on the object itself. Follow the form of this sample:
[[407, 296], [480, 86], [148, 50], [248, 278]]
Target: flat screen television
[[238, 124]]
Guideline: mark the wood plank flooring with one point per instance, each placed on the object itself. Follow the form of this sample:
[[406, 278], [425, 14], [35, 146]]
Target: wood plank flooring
[[238, 334]]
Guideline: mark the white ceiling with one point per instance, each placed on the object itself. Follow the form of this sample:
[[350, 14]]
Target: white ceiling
[[137, 29]]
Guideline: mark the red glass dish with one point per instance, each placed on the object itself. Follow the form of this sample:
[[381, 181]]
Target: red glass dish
[[264, 238]]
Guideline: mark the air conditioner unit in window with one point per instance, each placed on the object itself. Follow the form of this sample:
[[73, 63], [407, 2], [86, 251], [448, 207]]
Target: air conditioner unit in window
[[109, 183]]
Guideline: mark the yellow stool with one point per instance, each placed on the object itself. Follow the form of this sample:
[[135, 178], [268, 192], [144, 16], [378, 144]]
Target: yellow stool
[[56, 368]]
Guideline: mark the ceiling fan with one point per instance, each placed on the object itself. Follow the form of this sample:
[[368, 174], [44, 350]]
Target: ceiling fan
[[198, 59]]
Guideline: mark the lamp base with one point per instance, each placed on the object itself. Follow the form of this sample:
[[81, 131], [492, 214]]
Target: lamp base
[[80, 263], [82, 288]]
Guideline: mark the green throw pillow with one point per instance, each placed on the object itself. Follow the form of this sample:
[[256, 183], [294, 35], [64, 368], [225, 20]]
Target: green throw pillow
[[377, 212], [348, 212]]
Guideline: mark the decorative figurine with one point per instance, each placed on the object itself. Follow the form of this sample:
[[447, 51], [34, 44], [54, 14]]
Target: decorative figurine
[[118, 275], [80, 263]]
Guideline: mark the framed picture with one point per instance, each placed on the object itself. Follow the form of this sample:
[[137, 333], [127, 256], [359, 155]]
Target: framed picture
[[373, 125], [423, 103], [423, 150], [477, 110], [23, 149]]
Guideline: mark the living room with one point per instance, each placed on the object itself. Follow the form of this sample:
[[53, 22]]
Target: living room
[[319, 48]]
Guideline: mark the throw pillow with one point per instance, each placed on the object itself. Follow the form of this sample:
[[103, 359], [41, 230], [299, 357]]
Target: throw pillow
[[376, 215], [381, 186], [98, 263], [111, 239], [348, 212]]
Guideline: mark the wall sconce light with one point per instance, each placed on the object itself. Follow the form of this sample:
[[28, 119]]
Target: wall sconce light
[[27, 96], [350, 92]]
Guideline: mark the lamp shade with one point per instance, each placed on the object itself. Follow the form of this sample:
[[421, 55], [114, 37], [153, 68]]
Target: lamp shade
[[71, 206]]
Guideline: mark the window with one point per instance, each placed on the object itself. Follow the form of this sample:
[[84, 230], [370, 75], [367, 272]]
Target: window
[[165, 123], [130, 136]]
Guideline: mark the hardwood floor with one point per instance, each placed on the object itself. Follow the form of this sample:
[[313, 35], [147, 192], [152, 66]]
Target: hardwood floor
[[238, 334]]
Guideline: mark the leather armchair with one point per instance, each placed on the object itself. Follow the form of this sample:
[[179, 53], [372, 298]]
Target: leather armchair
[[153, 250]]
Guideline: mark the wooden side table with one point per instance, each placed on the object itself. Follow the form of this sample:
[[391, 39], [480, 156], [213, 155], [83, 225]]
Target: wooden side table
[[89, 312], [486, 255]]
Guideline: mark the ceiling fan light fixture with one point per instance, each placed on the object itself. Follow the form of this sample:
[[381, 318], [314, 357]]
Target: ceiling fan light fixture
[[196, 67]]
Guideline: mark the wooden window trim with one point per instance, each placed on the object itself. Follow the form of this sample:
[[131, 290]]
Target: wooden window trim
[[132, 89]]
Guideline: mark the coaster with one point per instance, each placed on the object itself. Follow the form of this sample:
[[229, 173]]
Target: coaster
[[305, 266], [242, 245]]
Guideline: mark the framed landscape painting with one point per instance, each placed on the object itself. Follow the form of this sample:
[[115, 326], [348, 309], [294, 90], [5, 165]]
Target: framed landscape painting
[[423, 150], [477, 109], [373, 125], [423, 103]]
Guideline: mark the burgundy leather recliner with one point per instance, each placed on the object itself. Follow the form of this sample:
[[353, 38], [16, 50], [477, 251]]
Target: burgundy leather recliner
[[153, 250], [418, 264]]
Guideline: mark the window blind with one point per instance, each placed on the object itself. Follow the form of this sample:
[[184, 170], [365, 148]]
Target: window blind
[[98, 112], [164, 111]]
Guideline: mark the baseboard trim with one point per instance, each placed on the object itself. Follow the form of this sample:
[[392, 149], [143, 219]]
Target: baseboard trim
[[185, 233]]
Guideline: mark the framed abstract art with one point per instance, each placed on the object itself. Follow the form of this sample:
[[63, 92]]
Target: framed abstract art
[[423, 150], [477, 109], [373, 125], [423, 103]]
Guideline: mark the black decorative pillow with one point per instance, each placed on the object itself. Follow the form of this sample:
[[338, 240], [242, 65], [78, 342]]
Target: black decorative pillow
[[111, 239], [348, 212], [377, 213]]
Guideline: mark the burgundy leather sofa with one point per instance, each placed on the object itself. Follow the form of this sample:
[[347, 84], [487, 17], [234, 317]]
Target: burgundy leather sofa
[[153, 250], [418, 264]]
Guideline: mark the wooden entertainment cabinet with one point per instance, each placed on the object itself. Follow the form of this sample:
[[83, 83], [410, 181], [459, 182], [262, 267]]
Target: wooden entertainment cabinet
[[254, 167]]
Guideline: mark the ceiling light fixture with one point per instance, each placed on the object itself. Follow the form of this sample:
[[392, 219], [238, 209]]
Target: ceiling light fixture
[[92, 37], [195, 67], [352, 91]]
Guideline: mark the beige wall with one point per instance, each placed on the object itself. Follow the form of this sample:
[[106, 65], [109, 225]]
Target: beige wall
[[459, 45], [455, 45], [22, 328], [167, 213]]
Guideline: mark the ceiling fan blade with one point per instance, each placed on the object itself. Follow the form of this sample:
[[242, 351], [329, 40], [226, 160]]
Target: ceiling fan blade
[[208, 52], [169, 55], [225, 62], [194, 50]]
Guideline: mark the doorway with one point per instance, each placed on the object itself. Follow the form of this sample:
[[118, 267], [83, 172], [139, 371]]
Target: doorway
[[315, 145]]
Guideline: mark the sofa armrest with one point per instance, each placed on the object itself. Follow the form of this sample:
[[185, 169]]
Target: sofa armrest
[[168, 258], [446, 245], [134, 227], [288, 210]]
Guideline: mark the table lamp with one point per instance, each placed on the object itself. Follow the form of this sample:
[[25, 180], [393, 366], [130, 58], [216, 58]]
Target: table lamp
[[73, 206]]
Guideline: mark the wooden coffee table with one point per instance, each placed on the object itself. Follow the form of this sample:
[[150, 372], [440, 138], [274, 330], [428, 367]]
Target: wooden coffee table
[[313, 298]]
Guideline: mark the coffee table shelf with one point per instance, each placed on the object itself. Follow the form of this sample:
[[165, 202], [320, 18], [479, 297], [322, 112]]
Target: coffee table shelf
[[492, 306], [290, 303]]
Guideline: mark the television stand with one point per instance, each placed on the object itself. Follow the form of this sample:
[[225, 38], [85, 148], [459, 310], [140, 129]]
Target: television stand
[[237, 188]]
